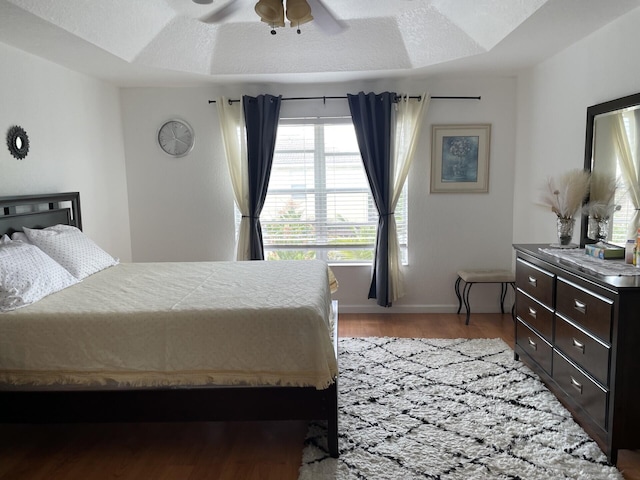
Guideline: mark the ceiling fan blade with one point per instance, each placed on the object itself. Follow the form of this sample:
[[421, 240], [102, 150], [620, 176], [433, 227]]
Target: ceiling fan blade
[[203, 2], [220, 14], [325, 19]]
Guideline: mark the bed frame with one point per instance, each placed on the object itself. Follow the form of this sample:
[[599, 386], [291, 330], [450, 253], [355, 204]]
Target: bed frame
[[219, 403]]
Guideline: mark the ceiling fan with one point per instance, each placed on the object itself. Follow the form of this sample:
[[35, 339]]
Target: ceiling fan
[[272, 12]]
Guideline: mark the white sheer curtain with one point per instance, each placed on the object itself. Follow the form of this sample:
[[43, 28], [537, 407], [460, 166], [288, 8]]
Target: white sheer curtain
[[235, 147], [629, 168], [409, 116]]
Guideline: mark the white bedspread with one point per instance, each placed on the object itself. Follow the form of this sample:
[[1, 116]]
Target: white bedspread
[[151, 324]]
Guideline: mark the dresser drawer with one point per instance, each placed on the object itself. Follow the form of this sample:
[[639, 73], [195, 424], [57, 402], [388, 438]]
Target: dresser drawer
[[535, 281], [588, 352], [535, 314], [586, 392], [591, 311], [534, 345]]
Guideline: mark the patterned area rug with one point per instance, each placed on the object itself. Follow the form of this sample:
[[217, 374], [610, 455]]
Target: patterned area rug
[[447, 409]]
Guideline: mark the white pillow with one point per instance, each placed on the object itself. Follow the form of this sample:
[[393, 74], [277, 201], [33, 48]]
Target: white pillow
[[20, 237], [27, 274], [72, 249]]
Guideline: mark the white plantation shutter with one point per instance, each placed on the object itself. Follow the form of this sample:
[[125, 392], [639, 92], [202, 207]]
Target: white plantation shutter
[[319, 204]]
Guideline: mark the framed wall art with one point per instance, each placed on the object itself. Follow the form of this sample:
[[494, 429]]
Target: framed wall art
[[460, 158]]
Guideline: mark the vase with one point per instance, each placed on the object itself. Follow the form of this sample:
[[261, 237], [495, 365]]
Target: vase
[[565, 230], [598, 228]]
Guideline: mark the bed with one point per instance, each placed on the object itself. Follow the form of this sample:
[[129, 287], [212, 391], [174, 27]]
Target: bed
[[193, 341]]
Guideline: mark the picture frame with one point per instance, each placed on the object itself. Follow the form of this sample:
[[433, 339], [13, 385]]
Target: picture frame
[[460, 158]]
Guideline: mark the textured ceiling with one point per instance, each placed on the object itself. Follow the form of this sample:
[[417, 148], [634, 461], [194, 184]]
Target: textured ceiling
[[165, 41]]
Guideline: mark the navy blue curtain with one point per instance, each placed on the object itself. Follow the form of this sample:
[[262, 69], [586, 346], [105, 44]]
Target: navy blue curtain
[[261, 116], [371, 115]]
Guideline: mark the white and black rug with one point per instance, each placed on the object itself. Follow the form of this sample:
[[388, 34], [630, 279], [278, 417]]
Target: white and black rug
[[447, 409]]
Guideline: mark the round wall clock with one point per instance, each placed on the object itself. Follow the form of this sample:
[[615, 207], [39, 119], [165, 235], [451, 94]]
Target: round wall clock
[[176, 138], [18, 142]]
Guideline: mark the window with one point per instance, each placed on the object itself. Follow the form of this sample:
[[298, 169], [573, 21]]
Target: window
[[319, 204]]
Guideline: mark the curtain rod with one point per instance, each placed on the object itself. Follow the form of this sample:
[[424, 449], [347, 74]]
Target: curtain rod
[[324, 99]]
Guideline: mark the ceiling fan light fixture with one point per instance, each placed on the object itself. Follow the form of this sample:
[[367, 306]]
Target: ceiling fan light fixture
[[298, 12], [271, 12]]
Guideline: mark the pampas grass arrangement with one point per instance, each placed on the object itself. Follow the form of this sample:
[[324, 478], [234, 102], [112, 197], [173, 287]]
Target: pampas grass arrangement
[[565, 193], [602, 193]]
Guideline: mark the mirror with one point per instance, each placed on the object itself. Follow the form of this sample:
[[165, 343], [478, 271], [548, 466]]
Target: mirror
[[18, 142], [612, 151]]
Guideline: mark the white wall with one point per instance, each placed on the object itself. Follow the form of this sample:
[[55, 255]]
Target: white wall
[[75, 135], [182, 209], [552, 103]]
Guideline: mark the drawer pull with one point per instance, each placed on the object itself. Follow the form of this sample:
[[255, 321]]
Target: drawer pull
[[580, 306], [532, 312], [532, 344], [533, 281], [578, 345], [576, 384]]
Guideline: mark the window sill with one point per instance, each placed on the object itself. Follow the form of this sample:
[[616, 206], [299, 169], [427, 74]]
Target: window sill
[[332, 265]]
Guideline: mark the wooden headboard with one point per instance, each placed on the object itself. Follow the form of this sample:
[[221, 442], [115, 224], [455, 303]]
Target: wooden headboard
[[39, 211]]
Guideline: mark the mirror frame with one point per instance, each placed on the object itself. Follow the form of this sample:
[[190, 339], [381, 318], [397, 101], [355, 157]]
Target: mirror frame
[[592, 112], [15, 134]]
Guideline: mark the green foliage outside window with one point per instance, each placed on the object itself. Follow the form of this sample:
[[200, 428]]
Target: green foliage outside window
[[290, 225]]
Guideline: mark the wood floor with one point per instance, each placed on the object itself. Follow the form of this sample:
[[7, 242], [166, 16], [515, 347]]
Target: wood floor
[[216, 450]]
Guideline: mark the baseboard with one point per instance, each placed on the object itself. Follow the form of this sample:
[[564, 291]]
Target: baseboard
[[369, 308], [417, 309]]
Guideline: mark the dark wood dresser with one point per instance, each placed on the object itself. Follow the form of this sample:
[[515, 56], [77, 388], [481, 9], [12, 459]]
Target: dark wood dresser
[[580, 332]]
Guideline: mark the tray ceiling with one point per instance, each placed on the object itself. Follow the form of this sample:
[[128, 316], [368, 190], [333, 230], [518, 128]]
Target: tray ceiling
[[156, 41]]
